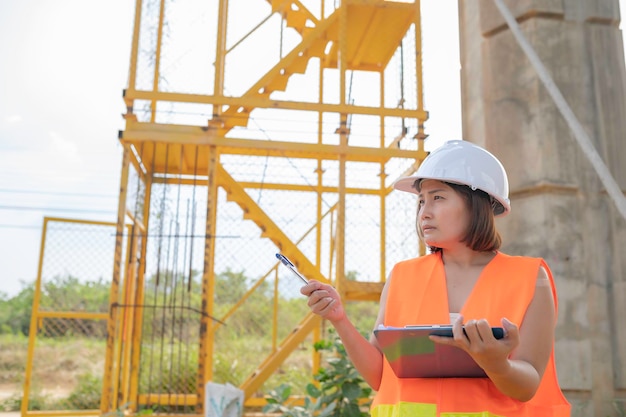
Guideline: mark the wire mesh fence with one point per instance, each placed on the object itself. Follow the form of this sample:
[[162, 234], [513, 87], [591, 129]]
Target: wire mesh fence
[[68, 331]]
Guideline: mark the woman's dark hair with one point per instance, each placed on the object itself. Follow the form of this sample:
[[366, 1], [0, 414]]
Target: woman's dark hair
[[481, 234]]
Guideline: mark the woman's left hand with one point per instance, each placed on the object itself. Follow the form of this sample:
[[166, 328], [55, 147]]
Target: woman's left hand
[[478, 341]]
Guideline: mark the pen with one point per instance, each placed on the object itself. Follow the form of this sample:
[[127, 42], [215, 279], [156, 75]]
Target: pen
[[291, 266]]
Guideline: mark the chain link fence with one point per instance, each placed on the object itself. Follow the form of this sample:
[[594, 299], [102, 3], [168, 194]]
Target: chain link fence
[[68, 331]]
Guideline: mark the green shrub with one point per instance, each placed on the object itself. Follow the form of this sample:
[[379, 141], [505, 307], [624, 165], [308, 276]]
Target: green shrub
[[86, 395], [342, 391], [36, 402]]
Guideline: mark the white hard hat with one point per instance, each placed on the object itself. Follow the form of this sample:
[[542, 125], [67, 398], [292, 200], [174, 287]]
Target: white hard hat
[[462, 162]]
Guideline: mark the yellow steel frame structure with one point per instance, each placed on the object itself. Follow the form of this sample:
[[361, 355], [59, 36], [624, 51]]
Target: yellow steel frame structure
[[376, 28]]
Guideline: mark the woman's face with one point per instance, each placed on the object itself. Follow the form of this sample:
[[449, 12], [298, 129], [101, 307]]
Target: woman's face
[[443, 217]]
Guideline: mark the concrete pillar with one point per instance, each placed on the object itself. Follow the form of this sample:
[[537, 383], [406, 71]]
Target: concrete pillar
[[560, 210]]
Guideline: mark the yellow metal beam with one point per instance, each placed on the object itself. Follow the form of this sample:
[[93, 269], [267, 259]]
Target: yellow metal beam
[[73, 315], [207, 328], [283, 187], [135, 361], [197, 136], [33, 322], [168, 399], [109, 384], [60, 413], [260, 102]]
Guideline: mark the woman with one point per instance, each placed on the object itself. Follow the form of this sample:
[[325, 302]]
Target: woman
[[465, 281]]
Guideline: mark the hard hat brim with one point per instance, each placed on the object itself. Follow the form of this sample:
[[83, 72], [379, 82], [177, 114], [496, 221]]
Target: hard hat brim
[[407, 184]]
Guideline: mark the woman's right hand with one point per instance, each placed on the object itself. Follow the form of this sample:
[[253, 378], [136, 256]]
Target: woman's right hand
[[324, 300]]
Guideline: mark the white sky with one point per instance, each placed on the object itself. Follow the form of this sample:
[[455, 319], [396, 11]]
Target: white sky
[[63, 66]]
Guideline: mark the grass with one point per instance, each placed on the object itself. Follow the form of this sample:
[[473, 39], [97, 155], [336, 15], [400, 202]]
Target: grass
[[68, 371], [13, 358], [63, 369]]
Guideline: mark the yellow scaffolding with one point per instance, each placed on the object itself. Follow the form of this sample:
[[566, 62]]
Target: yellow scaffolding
[[355, 37], [302, 147]]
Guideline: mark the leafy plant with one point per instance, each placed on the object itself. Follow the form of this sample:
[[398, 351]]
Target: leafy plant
[[278, 401], [341, 392], [340, 384]]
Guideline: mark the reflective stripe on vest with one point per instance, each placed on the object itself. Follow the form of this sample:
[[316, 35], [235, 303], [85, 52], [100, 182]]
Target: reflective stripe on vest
[[420, 410], [417, 294]]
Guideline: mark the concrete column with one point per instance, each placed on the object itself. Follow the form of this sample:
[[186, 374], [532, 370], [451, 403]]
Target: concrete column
[[560, 210]]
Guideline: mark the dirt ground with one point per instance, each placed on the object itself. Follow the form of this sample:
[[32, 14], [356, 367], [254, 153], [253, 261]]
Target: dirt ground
[[12, 390], [8, 391]]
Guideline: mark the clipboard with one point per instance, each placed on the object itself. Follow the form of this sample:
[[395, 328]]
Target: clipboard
[[411, 354]]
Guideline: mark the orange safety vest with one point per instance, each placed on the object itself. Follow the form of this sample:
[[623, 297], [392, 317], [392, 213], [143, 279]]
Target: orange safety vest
[[417, 294]]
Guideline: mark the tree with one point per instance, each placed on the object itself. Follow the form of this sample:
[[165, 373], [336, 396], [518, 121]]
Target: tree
[[15, 312]]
